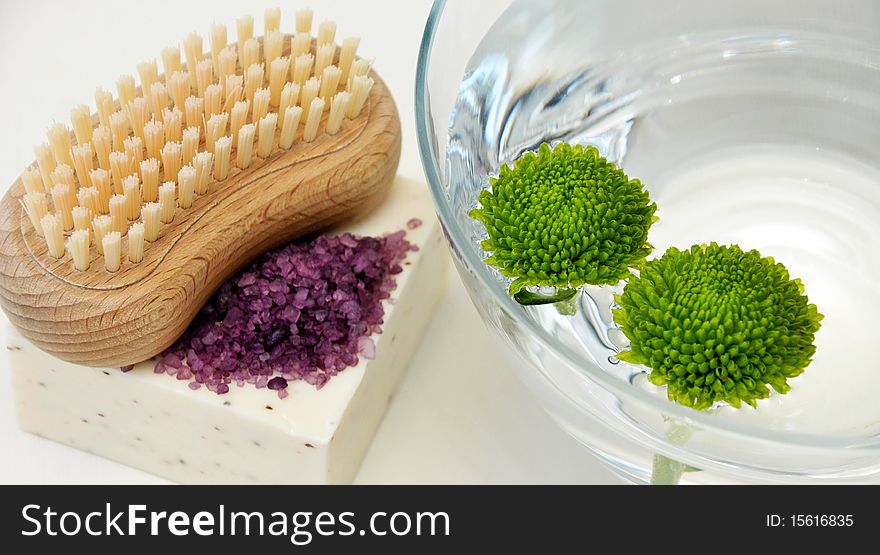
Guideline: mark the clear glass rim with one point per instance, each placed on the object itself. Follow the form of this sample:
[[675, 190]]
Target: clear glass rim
[[486, 280]]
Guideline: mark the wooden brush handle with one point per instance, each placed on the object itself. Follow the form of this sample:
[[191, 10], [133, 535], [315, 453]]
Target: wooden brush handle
[[99, 318]]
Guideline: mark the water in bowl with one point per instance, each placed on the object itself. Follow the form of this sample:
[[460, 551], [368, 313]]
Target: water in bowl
[[767, 138]]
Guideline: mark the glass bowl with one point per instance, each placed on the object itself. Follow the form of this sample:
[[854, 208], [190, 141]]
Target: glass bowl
[[755, 122]]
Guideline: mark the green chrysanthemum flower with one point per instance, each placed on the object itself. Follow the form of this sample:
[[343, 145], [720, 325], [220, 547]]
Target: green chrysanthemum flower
[[563, 218], [717, 324]]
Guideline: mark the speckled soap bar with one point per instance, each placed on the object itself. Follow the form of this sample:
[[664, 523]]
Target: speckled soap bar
[[313, 436]]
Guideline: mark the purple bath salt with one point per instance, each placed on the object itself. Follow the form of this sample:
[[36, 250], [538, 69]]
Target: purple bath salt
[[304, 312], [277, 383]]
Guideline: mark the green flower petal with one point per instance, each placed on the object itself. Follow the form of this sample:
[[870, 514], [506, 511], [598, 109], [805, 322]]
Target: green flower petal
[[565, 217], [715, 323]]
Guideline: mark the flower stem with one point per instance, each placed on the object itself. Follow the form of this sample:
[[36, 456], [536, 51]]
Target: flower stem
[[666, 471], [528, 298]]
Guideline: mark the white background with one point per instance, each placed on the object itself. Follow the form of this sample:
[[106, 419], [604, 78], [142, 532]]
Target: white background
[[460, 415]]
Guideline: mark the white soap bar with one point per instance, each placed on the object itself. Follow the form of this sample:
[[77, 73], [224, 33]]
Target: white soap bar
[[158, 424]]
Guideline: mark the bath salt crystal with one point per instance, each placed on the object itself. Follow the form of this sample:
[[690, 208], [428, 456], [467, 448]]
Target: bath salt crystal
[[305, 312]]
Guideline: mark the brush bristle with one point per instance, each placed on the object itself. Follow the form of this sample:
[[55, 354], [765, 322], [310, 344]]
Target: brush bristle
[[112, 251], [171, 60], [271, 20], [150, 216], [126, 90], [245, 151], [34, 204], [101, 226], [81, 218], [136, 242], [119, 212], [218, 43], [78, 245], [244, 27], [166, 202], [54, 234], [186, 180], [162, 146], [32, 182]]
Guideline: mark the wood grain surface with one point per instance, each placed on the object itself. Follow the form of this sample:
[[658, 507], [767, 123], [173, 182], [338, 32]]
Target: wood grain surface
[[101, 319]]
